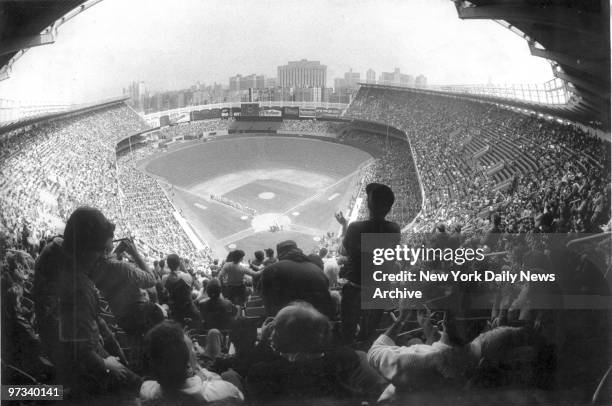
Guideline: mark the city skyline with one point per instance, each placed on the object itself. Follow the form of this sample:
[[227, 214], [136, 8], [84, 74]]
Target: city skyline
[[171, 46]]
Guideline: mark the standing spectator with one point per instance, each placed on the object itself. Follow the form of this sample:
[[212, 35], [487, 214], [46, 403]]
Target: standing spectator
[[234, 272], [292, 278], [380, 200], [494, 233], [216, 311], [330, 267], [270, 258], [257, 265], [215, 268], [179, 285]]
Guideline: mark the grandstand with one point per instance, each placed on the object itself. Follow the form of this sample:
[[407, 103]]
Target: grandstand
[[197, 194]]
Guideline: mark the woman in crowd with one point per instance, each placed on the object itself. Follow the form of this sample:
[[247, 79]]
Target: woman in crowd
[[233, 273]]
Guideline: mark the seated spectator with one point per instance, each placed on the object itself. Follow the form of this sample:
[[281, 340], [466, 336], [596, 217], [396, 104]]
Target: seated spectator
[[21, 347], [67, 307], [179, 285], [450, 362], [216, 311], [292, 278], [177, 378], [123, 284], [236, 288], [301, 361]]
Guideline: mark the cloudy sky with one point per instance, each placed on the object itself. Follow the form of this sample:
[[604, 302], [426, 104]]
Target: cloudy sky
[[172, 44]]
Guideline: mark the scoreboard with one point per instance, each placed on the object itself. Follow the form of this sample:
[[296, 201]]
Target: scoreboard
[[249, 109]]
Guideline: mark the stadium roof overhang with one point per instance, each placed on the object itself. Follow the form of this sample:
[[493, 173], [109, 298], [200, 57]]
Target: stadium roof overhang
[[45, 117], [29, 23], [573, 34]]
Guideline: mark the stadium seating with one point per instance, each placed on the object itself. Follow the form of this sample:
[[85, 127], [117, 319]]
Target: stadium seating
[[460, 163]]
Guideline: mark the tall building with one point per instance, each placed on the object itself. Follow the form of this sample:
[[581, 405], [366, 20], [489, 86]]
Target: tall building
[[137, 93], [396, 78], [271, 82], [352, 78], [339, 83], [308, 94], [350, 81], [302, 74], [239, 82], [421, 80], [370, 76]]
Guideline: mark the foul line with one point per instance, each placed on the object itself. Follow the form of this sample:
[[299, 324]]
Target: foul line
[[325, 189]]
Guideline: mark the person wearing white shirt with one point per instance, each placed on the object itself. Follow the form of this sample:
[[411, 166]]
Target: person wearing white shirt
[[178, 379], [444, 364]]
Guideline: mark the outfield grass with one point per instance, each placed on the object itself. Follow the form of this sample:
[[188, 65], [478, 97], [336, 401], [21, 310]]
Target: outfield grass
[[308, 179]]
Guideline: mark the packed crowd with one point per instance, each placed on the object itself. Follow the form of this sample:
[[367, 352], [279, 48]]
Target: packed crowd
[[289, 326], [394, 167], [319, 127], [194, 128], [51, 169], [571, 183], [58, 166], [149, 215]]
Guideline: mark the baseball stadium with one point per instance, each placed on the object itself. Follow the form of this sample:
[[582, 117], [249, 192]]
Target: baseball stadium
[[211, 248]]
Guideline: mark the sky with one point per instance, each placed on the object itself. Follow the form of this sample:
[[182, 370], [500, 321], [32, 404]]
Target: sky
[[173, 44]]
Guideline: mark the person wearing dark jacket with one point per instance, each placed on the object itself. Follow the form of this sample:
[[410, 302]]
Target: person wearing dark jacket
[[67, 307], [179, 285], [292, 278], [380, 200], [216, 311]]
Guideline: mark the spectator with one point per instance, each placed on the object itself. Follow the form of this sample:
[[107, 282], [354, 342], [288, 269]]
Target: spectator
[[216, 311], [303, 363], [270, 258], [235, 273], [449, 363], [179, 286], [380, 201], [123, 285], [292, 278], [215, 268], [67, 306], [177, 377]]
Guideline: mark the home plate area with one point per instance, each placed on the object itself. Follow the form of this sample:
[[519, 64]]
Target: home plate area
[[269, 195]]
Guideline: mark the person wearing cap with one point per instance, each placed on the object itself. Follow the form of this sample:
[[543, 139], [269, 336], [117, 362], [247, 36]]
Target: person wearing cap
[[67, 306], [380, 200], [179, 285], [294, 277]]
